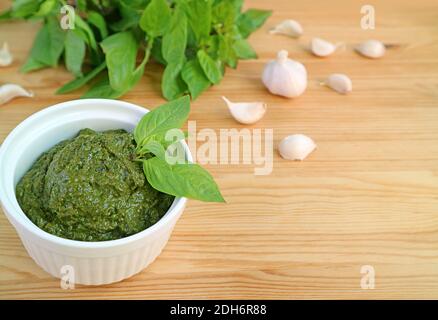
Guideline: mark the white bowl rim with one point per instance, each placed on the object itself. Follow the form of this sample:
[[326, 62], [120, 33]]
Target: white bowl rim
[[177, 205]]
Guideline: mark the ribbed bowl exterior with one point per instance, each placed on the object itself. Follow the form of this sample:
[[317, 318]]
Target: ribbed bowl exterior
[[99, 269]]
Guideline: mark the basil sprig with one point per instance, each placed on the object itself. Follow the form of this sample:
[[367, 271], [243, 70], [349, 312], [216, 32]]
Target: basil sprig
[[181, 179], [194, 39]]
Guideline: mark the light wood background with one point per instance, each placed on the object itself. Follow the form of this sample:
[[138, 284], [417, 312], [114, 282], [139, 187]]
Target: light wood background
[[367, 196]]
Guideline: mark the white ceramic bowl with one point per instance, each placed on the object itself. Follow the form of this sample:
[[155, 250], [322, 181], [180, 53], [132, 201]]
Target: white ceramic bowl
[[93, 263]]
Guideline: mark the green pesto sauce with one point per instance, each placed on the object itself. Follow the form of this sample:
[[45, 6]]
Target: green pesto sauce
[[89, 189]]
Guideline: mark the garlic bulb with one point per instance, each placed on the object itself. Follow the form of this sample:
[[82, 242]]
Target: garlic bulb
[[246, 112], [340, 83], [5, 56], [371, 49], [296, 147], [289, 28], [322, 48], [11, 91], [285, 77]]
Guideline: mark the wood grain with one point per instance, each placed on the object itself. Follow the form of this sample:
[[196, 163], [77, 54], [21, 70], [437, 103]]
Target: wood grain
[[367, 196]]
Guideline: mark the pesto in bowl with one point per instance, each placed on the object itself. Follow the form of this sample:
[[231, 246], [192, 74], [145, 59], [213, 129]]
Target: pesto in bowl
[[89, 188]]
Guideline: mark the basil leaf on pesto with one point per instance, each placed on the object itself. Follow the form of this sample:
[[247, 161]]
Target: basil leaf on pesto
[[182, 180], [155, 148], [165, 117]]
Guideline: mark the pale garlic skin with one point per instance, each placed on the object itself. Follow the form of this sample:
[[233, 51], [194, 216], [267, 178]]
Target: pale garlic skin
[[246, 112], [10, 91], [321, 47], [289, 28], [296, 147], [339, 82], [373, 49], [285, 77]]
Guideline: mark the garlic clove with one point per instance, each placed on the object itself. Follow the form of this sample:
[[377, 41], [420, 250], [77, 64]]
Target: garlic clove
[[5, 56], [322, 48], [296, 147], [285, 77], [10, 91], [339, 82], [289, 28], [246, 112], [371, 49]]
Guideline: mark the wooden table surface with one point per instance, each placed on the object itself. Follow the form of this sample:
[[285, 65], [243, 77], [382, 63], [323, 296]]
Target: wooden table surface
[[367, 196]]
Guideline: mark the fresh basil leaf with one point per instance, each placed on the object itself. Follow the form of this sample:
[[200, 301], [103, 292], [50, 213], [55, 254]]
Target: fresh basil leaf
[[48, 45], [213, 47], [81, 24], [157, 51], [194, 39], [79, 82], [137, 4], [211, 68], [56, 41], [106, 90], [102, 89], [199, 17], [182, 180], [243, 49], [191, 52], [46, 8], [156, 17], [237, 4], [139, 71], [74, 52], [32, 65], [97, 20], [81, 5], [226, 51], [223, 16], [172, 84], [175, 40], [194, 77], [155, 148], [6, 15], [130, 18], [251, 20], [120, 54], [163, 118], [25, 8]]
